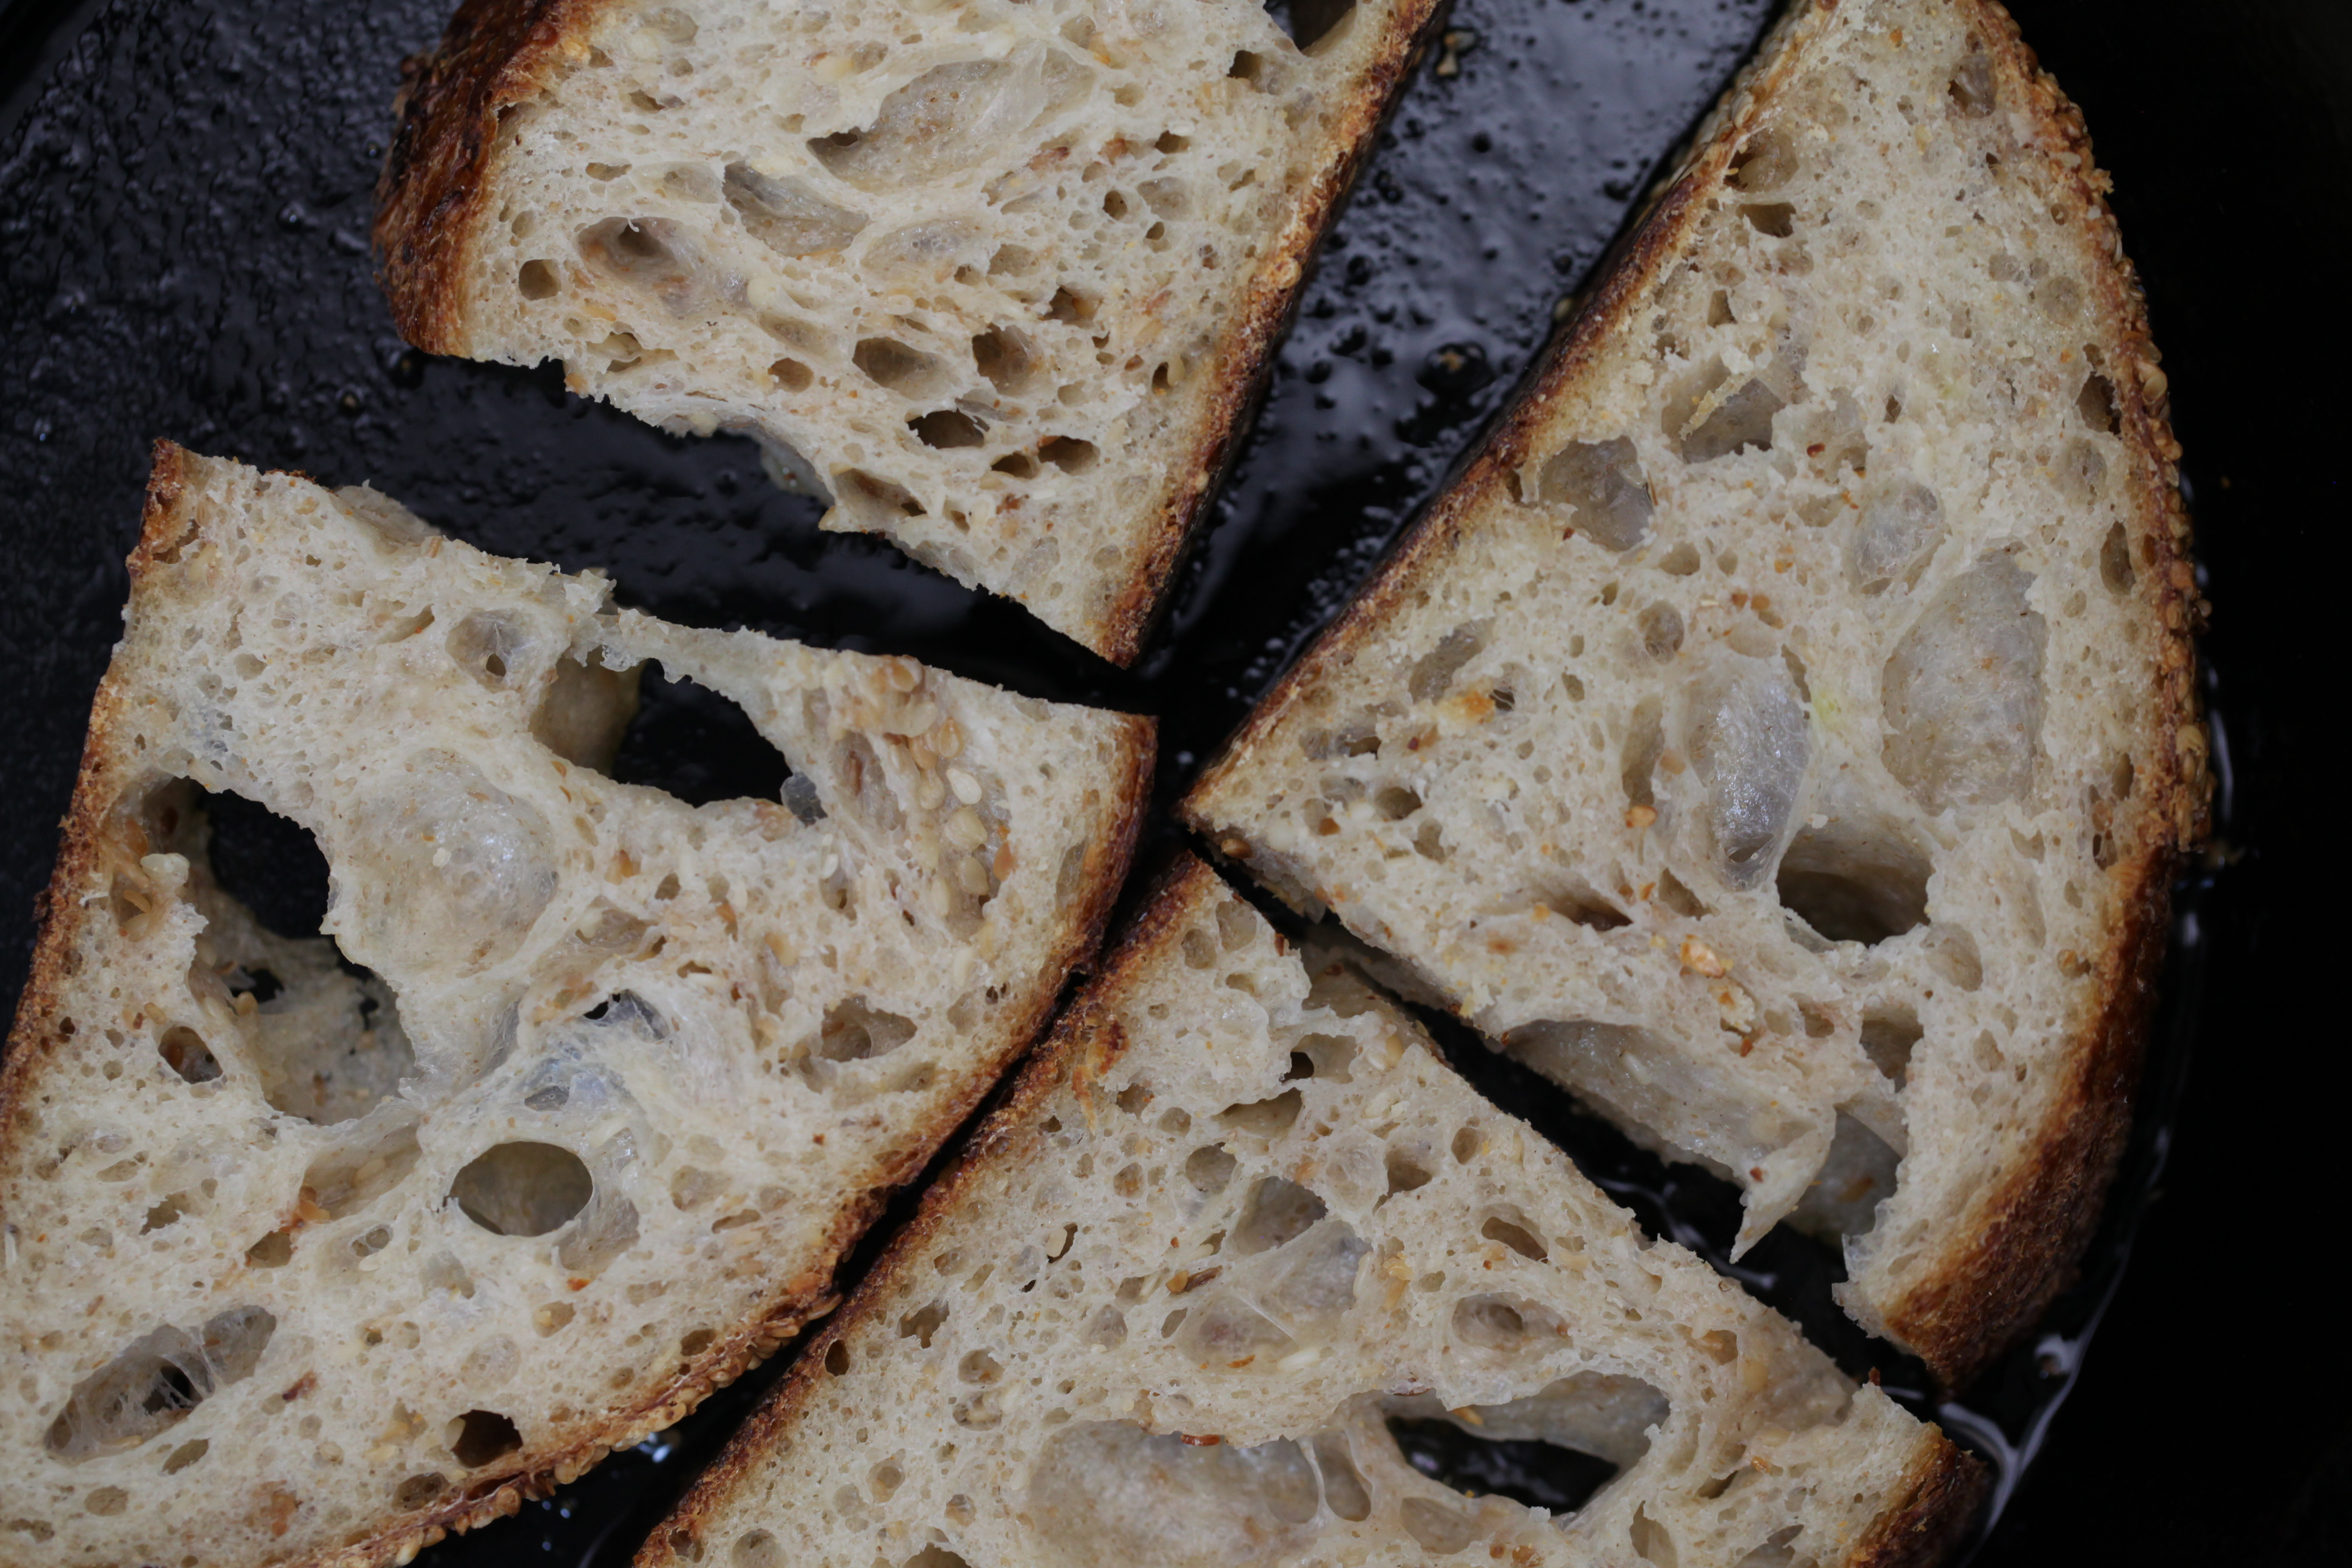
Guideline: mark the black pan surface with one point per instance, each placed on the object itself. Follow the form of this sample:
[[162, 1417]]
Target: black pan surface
[[183, 205]]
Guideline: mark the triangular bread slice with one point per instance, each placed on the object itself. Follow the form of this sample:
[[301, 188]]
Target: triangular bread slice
[[305, 1262], [1784, 731], [1236, 1231], [997, 280]]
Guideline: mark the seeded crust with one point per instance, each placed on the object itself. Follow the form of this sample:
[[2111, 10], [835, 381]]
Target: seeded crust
[[442, 179], [2017, 1244], [760, 1502], [105, 836]]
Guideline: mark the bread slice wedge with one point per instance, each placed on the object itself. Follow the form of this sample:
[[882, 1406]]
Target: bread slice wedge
[[998, 280], [303, 1262], [1784, 731], [1236, 1230]]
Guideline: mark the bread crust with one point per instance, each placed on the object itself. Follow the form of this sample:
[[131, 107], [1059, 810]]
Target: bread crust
[[430, 206], [2018, 1244], [1940, 1502], [171, 525], [1083, 1045]]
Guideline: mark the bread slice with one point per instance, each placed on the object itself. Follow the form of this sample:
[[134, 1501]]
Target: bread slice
[[1783, 732], [1234, 1221], [305, 1263], [997, 280]]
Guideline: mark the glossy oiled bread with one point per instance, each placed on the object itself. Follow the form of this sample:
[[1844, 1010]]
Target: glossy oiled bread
[[995, 278], [1237, 1218], [309, 1263], [1784, 732]]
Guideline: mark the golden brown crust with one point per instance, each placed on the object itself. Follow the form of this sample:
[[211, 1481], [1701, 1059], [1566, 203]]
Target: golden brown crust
[[429, 197], [33, 1038], [1085, 1042], [91, 830], [2017, 1248], [429, 206], [1939, 1503], [2018, 1244]]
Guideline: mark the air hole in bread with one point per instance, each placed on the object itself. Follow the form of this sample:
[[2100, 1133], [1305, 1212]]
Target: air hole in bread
[[784, 215], [1973, 89], [584, 708], [419, 1489], [1603, 483], [1507, 1324], [1209, 1168], [1071, 306], [1888, 1038], [2097, 404], [1529, 1471], [648, 254], [1019, 464], [184, 1052], [1764, 162], [1434, 671], [909, 371], [1854, 880], [1856, 1177], [791, 375], [1894, 536], [1962, 692], [1246, 67], [691, 742], [272, 1251], [1067, 453], [855, 1030], [875, 503], [1006, 357], [1327, 1057], [758, 1549], [523, 1188], [1267, 1118], [536, 280], [481, 1437], [1579, 902], [1749, 738], [1514, 1231], [947, 427], [1276, 1211], [154, 1381], [1661, 627], [929, 128], [2115, 561]]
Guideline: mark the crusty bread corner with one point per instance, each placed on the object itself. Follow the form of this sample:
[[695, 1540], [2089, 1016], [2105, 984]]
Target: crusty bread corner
[[1997, 1265], [1149, 1036], [1093, 551], [123, 1050]]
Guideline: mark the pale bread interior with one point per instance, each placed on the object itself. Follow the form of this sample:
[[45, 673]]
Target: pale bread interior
[[978, 275], [1244, 1218], [301, 1257], [1777, 754]]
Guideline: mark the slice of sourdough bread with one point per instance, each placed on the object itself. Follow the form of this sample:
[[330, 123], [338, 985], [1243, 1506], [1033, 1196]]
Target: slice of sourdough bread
[[307, 1263], [1237, 1228], [997, 279], [1784, 732]]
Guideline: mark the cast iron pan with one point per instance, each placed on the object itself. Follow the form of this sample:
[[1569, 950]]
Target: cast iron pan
[[183, 205]]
